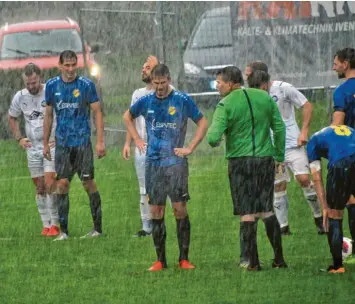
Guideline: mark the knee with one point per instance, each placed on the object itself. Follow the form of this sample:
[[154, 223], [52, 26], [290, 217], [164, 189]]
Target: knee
[[63, 186], [335, 214], [89, 186], [180, 212], [50, 184], [40, 187], [157, 212], [280, 187], [303, 180], [248, 218]]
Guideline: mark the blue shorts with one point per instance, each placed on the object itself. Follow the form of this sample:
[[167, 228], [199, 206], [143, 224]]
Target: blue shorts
[[71, 160], [164, 181], [341, 183]]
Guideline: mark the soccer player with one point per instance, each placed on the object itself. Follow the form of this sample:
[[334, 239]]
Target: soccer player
[[337, 144], [344, 106], [139, 158], [287, 98], [166, 112], [245, 117], [30, 103], [72, 97]]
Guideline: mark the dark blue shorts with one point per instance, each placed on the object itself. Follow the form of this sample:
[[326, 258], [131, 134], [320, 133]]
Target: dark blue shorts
[[169, 181], [72, 160], [341, 183]]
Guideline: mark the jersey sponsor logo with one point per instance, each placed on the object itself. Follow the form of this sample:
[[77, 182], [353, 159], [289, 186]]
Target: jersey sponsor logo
[[57, 94], [172, 110], [43, 103], [163, 125], [35, 115], [76, 93], [151, 111], [67, 105]]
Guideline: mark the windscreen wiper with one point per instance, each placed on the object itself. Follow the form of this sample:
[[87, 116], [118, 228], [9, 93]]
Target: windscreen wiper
[[18, 51]]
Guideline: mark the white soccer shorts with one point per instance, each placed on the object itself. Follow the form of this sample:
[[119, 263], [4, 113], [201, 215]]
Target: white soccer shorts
[[37, 164], [296, 160]]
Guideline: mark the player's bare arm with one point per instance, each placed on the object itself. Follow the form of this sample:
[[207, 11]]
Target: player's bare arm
[[128, 119], [338, 118], [307, 116], [47, 128], [316, 170], [99, 122], [202, 126], [126, 152], [24, 142]]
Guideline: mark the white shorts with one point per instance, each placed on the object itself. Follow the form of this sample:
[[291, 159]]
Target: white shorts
[[139, 161], [37, 164], [296, 160]]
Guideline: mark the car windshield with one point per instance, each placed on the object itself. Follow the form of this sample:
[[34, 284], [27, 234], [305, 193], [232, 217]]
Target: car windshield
[[40, 43], [213, 32]]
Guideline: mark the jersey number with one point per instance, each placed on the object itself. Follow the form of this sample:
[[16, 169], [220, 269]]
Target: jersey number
[[341, 130]]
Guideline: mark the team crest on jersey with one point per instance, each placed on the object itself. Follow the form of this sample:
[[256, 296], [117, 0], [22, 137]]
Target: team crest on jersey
[[172, 110], [43, 103], [76, 93]]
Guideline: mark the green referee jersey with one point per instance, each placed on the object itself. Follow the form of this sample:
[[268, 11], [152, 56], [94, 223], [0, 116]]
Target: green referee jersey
[[245, 117]]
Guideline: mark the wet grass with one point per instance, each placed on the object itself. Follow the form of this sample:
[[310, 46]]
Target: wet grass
[[113, 269]]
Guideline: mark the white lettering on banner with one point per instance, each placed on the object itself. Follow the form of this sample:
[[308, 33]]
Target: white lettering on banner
[[304, 29]]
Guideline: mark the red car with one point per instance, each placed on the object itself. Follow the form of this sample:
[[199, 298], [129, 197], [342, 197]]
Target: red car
[[39, 42]]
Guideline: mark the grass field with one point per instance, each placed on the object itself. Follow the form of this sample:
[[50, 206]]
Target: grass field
[[113, 269]]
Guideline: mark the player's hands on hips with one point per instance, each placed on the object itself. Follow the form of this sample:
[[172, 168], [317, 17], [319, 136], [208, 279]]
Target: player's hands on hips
[[47, 152], [325, 220], [182, 152], [302, 139], [25, 143], [141, 145], [126, 152], [100, 149]]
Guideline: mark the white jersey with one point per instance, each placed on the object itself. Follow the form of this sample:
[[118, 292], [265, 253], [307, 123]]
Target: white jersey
[[287, 97], [33, 108], [140, 121]]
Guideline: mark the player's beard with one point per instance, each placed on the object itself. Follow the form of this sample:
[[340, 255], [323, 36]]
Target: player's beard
[[146, 78], [34, 91], [341, 75]]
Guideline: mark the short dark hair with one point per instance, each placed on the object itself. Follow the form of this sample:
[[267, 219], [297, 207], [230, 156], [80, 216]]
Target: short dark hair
[[231, 74], [67, 54], [347, 54], [259, 65], [30, 69], [160, 70], [257, 78]]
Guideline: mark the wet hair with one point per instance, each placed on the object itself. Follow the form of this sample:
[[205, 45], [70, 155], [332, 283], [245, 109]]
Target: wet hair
[[67, 54], [257, 78], [259, 65], [160, 70], [231, 74], [347, 54], [30, 69]]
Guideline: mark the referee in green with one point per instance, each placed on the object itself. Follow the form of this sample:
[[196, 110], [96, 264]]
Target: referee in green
[[245, 117]]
